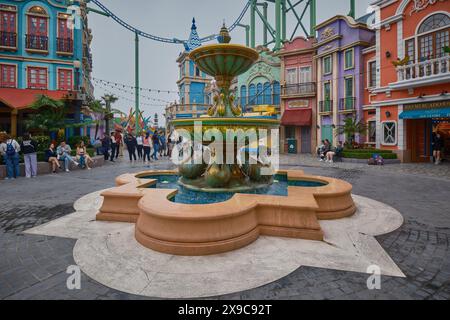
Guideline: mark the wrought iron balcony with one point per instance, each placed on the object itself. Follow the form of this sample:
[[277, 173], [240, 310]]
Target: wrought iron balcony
[[306, 88], [347, 104], [8, 39], [33, 42], [259, 99], [64, 45], [326, 106], [422, 73]]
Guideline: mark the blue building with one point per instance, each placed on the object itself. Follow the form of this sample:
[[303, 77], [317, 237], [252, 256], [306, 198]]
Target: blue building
[[44, 49], [193, 84]]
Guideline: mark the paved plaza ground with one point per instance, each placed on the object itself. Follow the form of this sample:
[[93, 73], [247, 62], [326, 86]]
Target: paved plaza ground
[[34, 267]]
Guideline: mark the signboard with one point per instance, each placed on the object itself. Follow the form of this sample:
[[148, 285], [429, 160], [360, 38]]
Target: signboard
[[298, 104], [427, 105]]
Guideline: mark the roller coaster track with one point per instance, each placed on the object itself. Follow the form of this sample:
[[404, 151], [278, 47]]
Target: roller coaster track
[[162, 39]]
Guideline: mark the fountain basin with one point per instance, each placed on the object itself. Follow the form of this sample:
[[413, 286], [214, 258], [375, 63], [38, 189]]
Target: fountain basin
[[202, 229]]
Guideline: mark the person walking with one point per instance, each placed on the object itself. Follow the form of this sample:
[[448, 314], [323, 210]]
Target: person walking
[[438, 145], [10, 151], [140, 146], [169, 147], [113, 146], [106, 145], [147, 146], [29, 150], [156, 145], [131, 144], [162, 139], [119, 144]]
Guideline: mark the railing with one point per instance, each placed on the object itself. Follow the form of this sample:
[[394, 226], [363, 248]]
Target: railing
[[347, 104], [36, 42], [424, 69], [259, 99], [64, 45], [299, 88], [326, 106], [8, 39], [194, 109]]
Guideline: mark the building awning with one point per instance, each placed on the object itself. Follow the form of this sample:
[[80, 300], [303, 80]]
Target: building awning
[[23, 98], [426, 113], [300, 117]]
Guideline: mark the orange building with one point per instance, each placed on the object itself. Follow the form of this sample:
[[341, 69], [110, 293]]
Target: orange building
[[407, 78]]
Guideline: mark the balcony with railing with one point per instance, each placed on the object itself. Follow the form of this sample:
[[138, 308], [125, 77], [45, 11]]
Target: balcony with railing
[[299, 89], [64, 46], [427, 72], [248, 102], [8, 40], [36, 43], [326, 106], [175, 111], [347, 105]]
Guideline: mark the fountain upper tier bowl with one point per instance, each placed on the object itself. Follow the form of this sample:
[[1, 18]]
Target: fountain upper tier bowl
[[224, 61]]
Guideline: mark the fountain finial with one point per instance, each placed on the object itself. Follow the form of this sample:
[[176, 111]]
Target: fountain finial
[[224, 35]]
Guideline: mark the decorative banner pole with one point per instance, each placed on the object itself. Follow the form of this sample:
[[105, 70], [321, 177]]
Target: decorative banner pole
[[137, 84]]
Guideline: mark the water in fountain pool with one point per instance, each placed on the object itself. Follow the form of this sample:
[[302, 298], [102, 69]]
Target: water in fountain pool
[[186, 196]]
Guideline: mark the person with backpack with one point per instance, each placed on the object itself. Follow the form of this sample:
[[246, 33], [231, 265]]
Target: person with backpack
[[29, 150], [156, 143], [10, 151]]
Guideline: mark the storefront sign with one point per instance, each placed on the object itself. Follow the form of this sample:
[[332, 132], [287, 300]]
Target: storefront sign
[[298, 104], [427, 105]]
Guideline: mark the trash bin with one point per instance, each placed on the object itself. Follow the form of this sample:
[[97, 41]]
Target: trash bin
[[292, 145]]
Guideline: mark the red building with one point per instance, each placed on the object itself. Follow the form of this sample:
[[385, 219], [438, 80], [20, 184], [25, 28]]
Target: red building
[[298, 96], [407, 78]]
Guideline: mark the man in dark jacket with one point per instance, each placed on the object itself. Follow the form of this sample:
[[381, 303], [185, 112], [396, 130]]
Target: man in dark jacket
[[106, 145], [131, 143]]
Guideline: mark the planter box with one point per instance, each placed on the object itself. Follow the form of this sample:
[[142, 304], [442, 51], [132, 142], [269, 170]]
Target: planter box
[[46, 168]]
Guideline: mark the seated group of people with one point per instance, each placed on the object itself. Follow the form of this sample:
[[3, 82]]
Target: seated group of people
[[63, 153], [327, 152]]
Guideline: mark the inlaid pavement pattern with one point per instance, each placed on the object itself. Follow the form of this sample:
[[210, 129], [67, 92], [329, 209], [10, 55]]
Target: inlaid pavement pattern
[[34, 267]]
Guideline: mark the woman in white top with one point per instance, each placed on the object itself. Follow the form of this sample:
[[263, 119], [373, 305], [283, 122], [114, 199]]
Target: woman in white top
[[140, 145]]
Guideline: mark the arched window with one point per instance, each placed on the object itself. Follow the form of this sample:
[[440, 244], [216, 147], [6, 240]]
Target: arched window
[[276, 92], [37, 32], [252, 95], [243, 96], [259, 92], [436, 21], [267, 93], [432, 37]]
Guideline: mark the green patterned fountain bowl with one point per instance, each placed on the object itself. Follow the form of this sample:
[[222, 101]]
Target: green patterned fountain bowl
[[224, 60]]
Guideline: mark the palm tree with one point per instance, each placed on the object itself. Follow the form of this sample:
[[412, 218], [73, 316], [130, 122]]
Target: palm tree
[[109, 100], [350, 128], [97, 107], [51, 115]]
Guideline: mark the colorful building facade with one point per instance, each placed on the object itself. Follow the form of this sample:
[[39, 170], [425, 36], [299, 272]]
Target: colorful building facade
[[298, 96], [44, 49], [259, 88], [340, 91], [194, 85], [408, 78]]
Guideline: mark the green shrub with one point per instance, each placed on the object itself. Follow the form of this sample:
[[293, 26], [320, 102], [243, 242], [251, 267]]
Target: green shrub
[[368, 151], [368, 155]]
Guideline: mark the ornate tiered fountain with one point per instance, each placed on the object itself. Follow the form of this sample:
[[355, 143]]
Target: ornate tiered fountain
[[208, 206]]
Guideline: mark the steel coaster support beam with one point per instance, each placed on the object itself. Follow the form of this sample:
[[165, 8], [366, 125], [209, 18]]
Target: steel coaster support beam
[[299, 18], [136, 61], [265, 5], [266, 23], [283, 20], [352, 12], [252, 23], [277, 25], [247, 33], [312, 17]]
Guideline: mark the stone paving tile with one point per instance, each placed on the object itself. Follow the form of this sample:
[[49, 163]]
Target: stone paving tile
[[34, 267]]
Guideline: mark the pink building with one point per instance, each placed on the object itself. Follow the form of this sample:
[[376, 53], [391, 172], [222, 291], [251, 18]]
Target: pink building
[[298, 96]]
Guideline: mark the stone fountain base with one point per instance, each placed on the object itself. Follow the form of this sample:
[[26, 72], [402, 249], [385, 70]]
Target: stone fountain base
[[185, 229]]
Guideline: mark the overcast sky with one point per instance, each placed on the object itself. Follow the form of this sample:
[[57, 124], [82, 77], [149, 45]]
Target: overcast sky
[[113, 46]]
